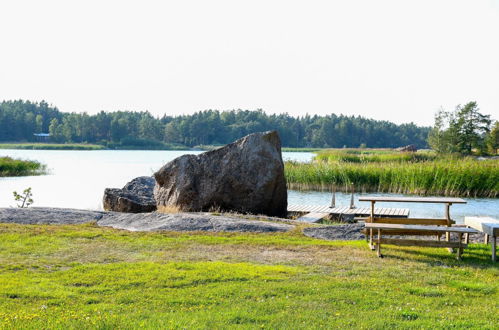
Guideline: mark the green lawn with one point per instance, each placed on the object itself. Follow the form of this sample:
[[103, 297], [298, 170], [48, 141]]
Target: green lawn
[[86, 277]]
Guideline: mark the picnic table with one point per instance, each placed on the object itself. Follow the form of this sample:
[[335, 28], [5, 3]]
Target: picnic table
[[414, 226]]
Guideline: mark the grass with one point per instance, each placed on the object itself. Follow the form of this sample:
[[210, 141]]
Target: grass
[[17, 167], [168, 209], [83, 276], [412, 173], [51, 146]]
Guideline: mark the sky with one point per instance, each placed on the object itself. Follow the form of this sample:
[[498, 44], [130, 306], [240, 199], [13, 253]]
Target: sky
[[399, 60]]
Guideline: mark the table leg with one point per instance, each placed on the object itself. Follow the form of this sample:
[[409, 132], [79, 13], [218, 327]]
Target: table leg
[[449, 223], [378, 246], [486, 239], [371, 238], [371, 219], [460, 248], [493, 243]]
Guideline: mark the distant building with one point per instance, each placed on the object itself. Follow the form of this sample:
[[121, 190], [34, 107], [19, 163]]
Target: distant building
[[42, 137]]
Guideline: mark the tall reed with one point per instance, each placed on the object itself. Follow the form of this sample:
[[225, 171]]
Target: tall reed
[[446, 177], [372, 156]]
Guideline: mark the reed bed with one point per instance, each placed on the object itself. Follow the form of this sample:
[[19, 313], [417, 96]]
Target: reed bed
[[372, 156], [445, 177], [17, 167]]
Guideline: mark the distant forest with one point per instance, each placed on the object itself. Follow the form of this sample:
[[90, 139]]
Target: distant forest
[[19, 120]]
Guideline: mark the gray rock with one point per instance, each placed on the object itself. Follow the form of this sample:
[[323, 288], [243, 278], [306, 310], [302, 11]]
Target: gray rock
[[48, 215], [245, 176], [337, 232], [352, 232], [179, 222], [139, 222], [189, 222], [136, 196]]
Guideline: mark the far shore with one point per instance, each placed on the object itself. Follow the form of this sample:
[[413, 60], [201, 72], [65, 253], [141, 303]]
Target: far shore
[[88, 146]]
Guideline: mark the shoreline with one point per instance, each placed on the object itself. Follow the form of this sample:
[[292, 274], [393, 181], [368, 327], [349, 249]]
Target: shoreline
[[184, 222], [93, 147]]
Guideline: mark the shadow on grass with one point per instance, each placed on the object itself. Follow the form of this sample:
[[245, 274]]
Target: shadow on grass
[[476, 255]]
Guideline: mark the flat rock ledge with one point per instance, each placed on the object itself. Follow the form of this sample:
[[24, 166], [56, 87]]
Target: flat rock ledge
[[189, 222], [49, 216], [179, 222], [347, 232], [140, 221]]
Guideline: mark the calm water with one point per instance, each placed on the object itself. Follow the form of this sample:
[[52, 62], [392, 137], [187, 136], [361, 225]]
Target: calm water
[[77, 179], [474, 206]]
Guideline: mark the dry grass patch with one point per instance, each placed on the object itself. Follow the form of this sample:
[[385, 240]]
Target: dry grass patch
[[168, 209]]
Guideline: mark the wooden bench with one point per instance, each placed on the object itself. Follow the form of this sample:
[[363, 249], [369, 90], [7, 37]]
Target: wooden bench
[[487, 225], [395, 229]]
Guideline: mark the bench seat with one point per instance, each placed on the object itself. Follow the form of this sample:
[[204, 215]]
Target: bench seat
[[392, 228], [441, 229]]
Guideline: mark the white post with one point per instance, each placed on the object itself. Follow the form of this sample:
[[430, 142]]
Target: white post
[[352, 205], [333, 200]]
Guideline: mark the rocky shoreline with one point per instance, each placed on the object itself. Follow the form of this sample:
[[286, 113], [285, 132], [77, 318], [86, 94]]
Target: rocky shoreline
[[155, 221], [181, 222]]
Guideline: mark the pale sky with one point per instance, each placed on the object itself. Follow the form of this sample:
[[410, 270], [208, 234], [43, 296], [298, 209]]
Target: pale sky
[[391, 60]]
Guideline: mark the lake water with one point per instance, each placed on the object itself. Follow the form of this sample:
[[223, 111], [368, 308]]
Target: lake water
[[77, 179]]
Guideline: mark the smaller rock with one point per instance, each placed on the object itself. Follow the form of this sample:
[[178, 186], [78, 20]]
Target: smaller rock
[[135, 197]]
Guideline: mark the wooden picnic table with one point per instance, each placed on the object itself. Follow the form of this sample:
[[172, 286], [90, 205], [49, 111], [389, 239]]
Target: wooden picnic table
[[405, 226]]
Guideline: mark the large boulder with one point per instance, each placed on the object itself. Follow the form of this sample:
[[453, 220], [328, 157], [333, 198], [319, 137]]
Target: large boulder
[[245, 176], [137, 196]]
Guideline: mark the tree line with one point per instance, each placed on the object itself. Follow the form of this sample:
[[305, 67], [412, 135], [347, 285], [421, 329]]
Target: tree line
[[19, 120]]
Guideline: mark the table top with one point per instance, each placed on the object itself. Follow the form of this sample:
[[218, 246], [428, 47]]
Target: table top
[[445, 200]]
